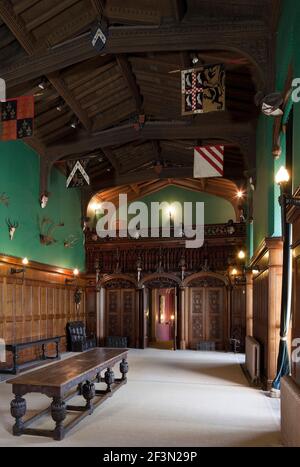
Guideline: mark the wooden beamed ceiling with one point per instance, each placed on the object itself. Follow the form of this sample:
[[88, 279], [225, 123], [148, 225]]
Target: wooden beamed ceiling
[[218, 187], [137, 73]]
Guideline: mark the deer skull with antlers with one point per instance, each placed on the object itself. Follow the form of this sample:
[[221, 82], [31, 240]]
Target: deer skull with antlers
[[12, 227]]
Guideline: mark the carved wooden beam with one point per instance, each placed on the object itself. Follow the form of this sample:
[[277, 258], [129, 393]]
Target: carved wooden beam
[[58, 83], [142, 176], [129, 77], [172, 10], [98, 6], [26, 39], [112, 159], [249, 38], [207, 126], [17, 27]]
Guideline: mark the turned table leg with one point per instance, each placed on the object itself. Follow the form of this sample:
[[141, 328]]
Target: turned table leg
[[57, 350], [89, 392], [58, 413], [109, 378], [124, 368], [18, 410]]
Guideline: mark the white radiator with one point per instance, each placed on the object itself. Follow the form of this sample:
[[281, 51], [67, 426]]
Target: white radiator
[[253, 358], [290, 412]]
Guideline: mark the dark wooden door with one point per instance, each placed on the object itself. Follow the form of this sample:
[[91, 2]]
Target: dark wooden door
[[121, 314], [207, 315]]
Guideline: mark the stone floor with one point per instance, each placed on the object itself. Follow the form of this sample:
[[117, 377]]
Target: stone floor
[[183, 398]]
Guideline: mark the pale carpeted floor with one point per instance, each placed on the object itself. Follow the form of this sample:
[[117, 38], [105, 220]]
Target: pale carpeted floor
[[181, 398]]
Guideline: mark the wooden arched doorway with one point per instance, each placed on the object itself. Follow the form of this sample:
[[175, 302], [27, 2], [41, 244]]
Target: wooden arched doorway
[[207, 311], [160, 310]]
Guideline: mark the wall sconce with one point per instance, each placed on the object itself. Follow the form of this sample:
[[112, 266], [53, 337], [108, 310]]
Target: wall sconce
[[282, 179], [25, 262], [240, 194], [241, 254], [75, 274]]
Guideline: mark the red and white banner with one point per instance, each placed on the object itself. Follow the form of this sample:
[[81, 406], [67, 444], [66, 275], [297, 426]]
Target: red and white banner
[[209, 161]]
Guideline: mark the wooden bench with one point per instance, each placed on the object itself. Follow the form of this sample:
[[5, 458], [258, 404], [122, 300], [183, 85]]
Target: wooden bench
[[17, 345], [58, 381]]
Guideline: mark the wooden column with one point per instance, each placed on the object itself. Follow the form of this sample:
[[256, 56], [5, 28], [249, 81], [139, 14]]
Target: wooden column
[[100, 316], [249, 303], [141, 315], [182, 317]]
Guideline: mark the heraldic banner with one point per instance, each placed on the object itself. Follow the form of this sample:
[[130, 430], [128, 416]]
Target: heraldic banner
[[17, 117], [203, 89]]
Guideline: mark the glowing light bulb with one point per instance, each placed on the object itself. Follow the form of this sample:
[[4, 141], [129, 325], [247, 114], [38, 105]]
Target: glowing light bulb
[[234, 272], [171, 211], [242, 254], [76, 272], [25, 262], [282, 176], [95, 206]]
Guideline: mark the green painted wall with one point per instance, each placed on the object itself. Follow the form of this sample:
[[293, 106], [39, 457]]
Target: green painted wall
[[19, 179], [217, 210], [266, 210]]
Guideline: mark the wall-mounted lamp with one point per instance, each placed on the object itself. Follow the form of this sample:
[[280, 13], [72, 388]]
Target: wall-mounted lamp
[[241, 254], [25, 263], [234, 272], [95, 207], [282, 179], [75, 274]]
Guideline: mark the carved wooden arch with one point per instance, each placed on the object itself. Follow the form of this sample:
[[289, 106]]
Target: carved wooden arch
[[118, 278], [203, 275], [160, 275], [257, 54]]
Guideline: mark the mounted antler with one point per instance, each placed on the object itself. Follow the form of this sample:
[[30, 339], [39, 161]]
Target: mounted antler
[[12, 227], [4, 199], [71, 241], [47, 227]]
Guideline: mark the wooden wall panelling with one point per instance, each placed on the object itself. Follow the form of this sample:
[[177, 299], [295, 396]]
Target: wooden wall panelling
[[238, 314], [207, 316], [267, 305], [260, 315], [121, 314], [91, 309], [249, 303], [40, 305], [294, 218]]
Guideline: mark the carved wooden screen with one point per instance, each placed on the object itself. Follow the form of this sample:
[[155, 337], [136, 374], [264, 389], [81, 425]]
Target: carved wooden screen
[[207, 315], [120, 314]]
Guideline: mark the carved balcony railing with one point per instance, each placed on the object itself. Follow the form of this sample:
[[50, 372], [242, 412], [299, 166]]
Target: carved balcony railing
[[230, 230], [127, 255]]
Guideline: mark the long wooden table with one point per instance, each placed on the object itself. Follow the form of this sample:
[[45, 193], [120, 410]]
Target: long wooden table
[[58, 381], [16, 345]]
